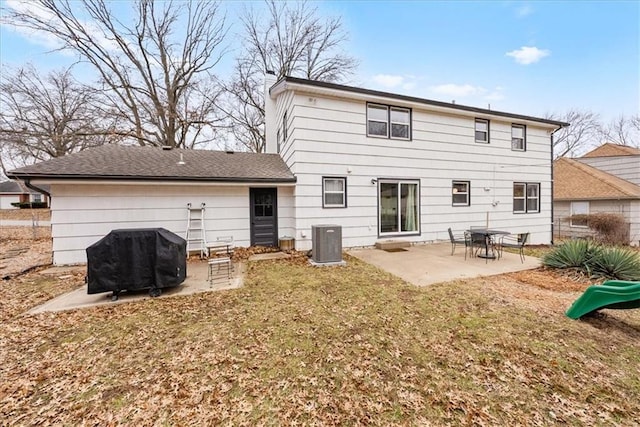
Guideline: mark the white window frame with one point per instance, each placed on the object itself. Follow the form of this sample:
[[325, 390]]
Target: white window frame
[[399, 183], [408, 124], [379, 107], [343, 192], [389, 122], [526, 197], [455, 191], [523, 140], [475, 131], [574, 208]]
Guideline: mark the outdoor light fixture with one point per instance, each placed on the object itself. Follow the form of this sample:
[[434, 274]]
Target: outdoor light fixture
[[374, 181]]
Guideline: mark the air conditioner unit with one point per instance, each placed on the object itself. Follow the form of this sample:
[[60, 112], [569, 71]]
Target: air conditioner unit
[[326, 243]]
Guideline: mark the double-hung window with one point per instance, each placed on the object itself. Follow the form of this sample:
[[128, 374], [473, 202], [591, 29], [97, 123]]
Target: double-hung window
[[334, 192], [460, 193], [526, 197], [518, 137], [388, 122], [482, 131]]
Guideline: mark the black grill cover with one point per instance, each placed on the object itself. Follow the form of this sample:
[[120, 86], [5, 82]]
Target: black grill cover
[[137, 258]]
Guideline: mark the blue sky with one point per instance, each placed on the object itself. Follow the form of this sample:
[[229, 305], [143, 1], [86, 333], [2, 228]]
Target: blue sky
[[523, 57]]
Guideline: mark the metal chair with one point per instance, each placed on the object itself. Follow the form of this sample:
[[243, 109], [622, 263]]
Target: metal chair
[[457, 240], [514, 243]]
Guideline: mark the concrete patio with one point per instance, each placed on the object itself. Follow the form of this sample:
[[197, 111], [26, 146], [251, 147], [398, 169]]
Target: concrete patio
[[195, 282], [433, 263]]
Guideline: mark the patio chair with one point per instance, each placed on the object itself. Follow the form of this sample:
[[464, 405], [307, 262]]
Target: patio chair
[[514, 243], [478, 241], [457, 240]]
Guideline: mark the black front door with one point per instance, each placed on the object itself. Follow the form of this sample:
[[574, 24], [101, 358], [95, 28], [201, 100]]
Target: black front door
[[264, 216]]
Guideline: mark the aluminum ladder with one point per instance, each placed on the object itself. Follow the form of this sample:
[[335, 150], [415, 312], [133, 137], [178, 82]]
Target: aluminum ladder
[[196, 235]]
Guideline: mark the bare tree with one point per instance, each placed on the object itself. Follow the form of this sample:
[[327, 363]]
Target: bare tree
[[585, 131], [152, 70], [624, 130], [291, 39], [50, 116]]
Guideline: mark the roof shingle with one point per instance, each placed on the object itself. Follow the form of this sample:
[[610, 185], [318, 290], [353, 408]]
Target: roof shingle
[[573, 180], [151, 163], [610, 150]]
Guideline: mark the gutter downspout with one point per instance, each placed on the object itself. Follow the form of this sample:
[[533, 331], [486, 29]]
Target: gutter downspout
[[28, 183], [552, 160]]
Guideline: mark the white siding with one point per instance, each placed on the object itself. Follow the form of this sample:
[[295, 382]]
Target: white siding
[[83, 214], [625, 167], [327, 137]]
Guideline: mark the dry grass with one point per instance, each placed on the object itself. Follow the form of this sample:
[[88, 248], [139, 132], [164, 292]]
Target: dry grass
[[327, 346]]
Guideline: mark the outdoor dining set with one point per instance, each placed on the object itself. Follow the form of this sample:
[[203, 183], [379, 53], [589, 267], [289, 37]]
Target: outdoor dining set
[[488, 243]]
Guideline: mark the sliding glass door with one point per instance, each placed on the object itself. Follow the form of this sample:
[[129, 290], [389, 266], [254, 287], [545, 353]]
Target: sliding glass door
[[398, 207]]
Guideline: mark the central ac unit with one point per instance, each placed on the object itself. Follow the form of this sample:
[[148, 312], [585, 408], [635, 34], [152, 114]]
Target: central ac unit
[[326, 243]]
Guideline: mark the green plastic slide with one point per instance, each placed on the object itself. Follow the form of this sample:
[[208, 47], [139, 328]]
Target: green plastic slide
[[616, 294]]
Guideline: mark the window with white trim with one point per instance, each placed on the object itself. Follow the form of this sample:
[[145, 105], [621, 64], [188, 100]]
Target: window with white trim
[[579, 208], [285, 133], [460, 193], [518, 137], [526, 197], [334, 192], [482, 131], [278, 140], [386, 121]]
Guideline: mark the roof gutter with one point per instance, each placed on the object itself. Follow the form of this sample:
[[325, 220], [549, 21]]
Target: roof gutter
[[28, 183]]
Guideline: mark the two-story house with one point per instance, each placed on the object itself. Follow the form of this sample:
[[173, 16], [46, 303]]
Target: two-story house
[[381, 165]]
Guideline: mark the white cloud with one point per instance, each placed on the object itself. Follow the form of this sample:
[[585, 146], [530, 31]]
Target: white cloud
[[452, 89], [528, 54], [388, 80], [524, 10]]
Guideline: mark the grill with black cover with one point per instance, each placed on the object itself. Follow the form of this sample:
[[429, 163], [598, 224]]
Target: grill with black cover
[[135, 259]]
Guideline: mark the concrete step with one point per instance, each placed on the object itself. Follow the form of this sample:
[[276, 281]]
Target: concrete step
[[392, 244]]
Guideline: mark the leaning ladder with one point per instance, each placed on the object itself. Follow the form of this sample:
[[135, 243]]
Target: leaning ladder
[[196, 235]]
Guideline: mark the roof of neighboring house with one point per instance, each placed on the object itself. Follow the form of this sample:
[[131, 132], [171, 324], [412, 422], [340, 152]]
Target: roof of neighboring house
[[17, 187], [573, 180], [609, 150], [152, 163], [448, 105]]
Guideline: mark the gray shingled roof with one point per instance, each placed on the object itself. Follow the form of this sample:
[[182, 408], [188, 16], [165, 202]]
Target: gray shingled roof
[[152, 163], [16, 187]]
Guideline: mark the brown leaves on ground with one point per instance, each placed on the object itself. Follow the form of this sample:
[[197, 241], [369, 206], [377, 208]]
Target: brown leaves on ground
[[326, 346], [25, 214], [23, 248]]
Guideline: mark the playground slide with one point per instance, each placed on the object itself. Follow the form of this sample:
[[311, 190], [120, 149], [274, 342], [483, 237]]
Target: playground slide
[[616, 294]]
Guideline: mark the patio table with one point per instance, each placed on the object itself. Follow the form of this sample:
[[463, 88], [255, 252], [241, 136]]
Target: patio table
[[488, 233]]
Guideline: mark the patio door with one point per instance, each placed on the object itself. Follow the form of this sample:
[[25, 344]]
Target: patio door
[[264, 216], [398, 207]]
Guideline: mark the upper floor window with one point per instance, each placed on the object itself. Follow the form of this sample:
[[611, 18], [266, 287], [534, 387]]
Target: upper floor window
[[526, 197], [482, 131], [388, 122], [460, 193], [285, 134], [334, 192], [278, 139], [518, 137]]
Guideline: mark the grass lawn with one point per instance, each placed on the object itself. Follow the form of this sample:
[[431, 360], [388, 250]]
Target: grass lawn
[[325, 346]]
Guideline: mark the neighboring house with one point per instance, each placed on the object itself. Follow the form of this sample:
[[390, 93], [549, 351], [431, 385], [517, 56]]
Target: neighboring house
[[381, 165], [16, 192], [605, 180]]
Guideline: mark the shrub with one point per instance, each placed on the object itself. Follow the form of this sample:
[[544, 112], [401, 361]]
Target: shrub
[[617, 263], [571, 254], [29, 205], [610, 228], [595, 260]]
